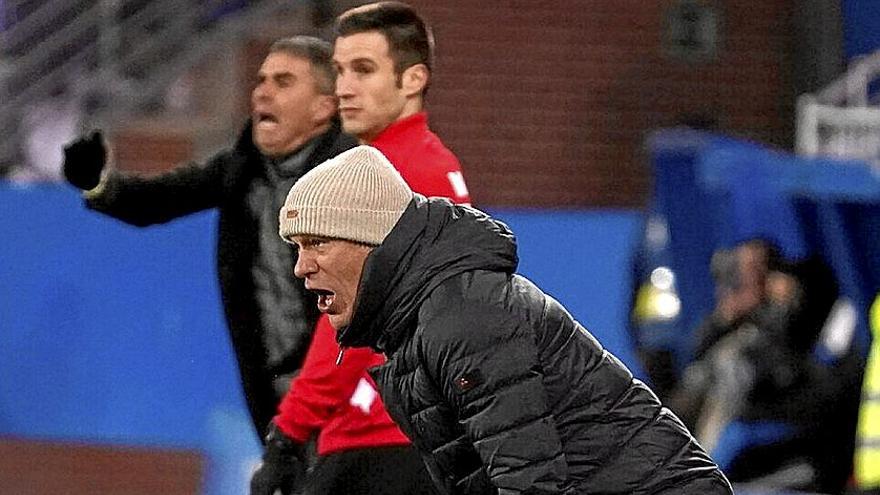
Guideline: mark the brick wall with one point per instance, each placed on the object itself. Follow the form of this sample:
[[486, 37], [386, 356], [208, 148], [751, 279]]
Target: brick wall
[[548, 103], [36, 468], [151, 150]]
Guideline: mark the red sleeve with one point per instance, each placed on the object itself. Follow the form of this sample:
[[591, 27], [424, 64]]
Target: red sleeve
[[321, 387]]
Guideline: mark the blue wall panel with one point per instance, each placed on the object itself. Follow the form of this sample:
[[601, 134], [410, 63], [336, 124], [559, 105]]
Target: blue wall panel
[[114, 334], [861, 27]]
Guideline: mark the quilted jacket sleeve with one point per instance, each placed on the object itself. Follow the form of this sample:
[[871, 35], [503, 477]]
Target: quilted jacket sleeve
[[487, 366]]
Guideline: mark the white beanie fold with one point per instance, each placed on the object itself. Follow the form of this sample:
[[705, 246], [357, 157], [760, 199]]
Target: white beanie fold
[[356, 196]]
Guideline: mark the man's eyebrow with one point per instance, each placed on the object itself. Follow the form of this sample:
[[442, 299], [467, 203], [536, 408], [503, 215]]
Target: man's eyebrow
[[358, 60], [283, 75], [310, 239]]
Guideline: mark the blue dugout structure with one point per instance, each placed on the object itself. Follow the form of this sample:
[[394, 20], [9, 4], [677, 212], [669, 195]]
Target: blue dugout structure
[[713, 191]]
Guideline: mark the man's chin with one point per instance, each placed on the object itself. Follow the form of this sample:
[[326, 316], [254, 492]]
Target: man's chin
[[355, 128], [272, 148], [338, 321], [265, 148]]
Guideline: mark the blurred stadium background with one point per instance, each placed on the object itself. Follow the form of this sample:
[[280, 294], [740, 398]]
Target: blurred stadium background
[[614, 136]]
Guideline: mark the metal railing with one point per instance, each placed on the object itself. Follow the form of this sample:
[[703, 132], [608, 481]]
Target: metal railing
[[842, 120], [118, 57]]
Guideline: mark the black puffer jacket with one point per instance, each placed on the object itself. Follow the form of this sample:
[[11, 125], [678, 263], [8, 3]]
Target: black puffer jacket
[[496, 384], [223, 183]]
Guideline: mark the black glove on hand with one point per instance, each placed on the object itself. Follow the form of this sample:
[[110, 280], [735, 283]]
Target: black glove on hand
[[84, 160], [283, 466]]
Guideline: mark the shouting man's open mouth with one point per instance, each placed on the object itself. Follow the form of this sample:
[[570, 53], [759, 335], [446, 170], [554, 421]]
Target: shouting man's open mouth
[[325, 299]]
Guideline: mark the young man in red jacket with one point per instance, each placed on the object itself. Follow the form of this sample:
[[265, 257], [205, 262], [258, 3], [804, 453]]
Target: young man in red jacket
[[383, 56]]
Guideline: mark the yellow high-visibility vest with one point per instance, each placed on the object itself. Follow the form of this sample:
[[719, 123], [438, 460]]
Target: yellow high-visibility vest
[[867, 454]]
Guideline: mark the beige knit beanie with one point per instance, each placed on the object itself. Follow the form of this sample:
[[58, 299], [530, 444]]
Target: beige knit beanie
[[357, 196]]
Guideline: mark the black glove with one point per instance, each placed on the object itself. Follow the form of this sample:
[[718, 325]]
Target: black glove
[[283, 465], [84, 160]]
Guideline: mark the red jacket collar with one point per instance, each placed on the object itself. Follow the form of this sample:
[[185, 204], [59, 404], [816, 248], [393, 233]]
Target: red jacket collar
[[393, 132]]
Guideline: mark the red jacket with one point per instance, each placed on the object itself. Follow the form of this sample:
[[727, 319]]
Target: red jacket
[[423, 161], [341, 402]]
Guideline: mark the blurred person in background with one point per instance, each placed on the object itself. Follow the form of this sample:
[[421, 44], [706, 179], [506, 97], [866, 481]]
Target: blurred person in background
[[737, 274], [773, 396], [293, 127], [383, 56], [495, 383], [740, 277]]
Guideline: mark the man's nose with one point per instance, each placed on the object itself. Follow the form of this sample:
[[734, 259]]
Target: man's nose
[[261, 92], [304, 266], [343, 86]]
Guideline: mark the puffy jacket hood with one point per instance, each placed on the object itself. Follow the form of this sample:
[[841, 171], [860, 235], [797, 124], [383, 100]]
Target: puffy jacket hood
[[433, 240]]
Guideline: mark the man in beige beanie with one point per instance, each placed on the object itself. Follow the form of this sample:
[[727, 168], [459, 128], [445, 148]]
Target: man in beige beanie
[[493, 381], [343, 213], [337, 217]]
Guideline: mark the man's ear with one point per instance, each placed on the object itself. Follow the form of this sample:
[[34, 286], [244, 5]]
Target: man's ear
[[415, 79], [324, 108]]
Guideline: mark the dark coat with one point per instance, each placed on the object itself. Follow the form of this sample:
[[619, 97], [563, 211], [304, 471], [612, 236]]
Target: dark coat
[[223, 182], [495, 383]]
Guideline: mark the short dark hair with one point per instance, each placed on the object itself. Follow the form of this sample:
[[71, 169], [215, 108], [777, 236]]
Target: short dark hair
[[318, 52], [410, 40]]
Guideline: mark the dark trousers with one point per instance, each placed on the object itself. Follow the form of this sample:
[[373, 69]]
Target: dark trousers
[[373, 471]]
